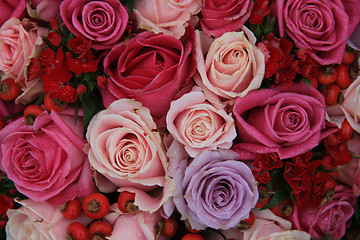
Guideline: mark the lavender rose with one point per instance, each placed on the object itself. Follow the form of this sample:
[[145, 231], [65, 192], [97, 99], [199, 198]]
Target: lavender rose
[[322, 27], [289, 121], [102, 22], [231, 16], [10, 9], [215, 190], [46, 161]]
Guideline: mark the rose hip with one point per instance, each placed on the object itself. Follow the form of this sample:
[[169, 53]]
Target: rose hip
[[327, 75], [54, 103], [348, 58], [100, 230], [31, 112], [346, 131], [343, 77], [96, 206], [332, 94], [167, 227], [77, 231], [247, 223], [192, 236], [283, 209], [9, 89], [72, 209], [126, 202]]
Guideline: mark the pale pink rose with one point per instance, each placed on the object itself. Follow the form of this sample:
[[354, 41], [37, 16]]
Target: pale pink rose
[[43, 9], [233, 65], [231, 16], [39, 221], [46, 161], [19, 42], [10, 9], [127, 152], [322, 27], [198, 125], [331, 218], [169, 17]]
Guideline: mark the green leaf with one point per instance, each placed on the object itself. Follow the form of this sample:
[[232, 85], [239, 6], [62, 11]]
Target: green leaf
[[280, 195], [92, 103], [130, 5]]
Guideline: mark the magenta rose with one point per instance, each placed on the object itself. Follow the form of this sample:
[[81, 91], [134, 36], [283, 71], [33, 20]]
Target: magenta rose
[[44, 9], [19, 42], [218, 17], [101, 22], [214, 190], [46, 161], [289, 121], [322, 27], [151, 68], [127, 152], [10, 9], [331, 218]]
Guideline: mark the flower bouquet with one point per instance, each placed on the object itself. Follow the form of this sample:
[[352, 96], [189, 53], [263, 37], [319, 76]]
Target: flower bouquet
[[186, 119]]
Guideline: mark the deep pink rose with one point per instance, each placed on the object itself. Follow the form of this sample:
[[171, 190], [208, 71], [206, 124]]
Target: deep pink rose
[[19, 42], [102, 22], [218, 17], [127, 152], [289, 121], [198, 125], [330, 218], [46, 161], [320, 26], [169, 17], [10, 9], [40, 221], [151, 68], [44, 9]]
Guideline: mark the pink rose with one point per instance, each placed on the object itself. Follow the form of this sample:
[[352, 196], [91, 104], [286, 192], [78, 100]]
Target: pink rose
[[354, 40], [322, 27], [233, 65], [198, 125], [289, 121], [46, 161], [127, 152], [19, 42], [10, 9], [151, 68], [39, 220], [330, 218], [43, 9], [169, 17], [231, 16], [102, 22]]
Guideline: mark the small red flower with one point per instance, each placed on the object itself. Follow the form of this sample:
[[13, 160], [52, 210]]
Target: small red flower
[[260, 10], [261, 175], [322, 183], [101, 81], [79, 45], [294, 174], [54, 38], [33, 69], [6, 203], [268, 161], [81, 89], [54, 24]]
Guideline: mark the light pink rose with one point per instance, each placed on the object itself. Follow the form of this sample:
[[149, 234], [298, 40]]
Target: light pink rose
[[46, 161], [330, 218], [170, 17], [289, 121], [199, 125], [127, 152], [43, 9], [231, 16], [233, 65], [101, 22], [10, 9], [320, 26], [19, 42], [39, 221]]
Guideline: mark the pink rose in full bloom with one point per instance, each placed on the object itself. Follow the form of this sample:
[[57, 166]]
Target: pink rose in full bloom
[[39, 221], [330, 218], [218, 17], [233, 65], [101, 22], [151, 68], [170, 17], [320, 26], [10, 9], [19, 42], [199, 125], [43, 9], [46, 161], [127, 152], [289, 121]]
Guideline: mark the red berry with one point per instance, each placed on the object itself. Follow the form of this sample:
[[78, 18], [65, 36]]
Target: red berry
[[96, 206], [53, 103], [327, 75], [9, 89], [31, 112], [167, 227], [188, 227], [348, 58], [283, 209], [77, 231], [247, 223], [126, 202], [346, 131], [343, 77], [264, 196], [192, 236], [332, 94], [100, 230], [72, 209]]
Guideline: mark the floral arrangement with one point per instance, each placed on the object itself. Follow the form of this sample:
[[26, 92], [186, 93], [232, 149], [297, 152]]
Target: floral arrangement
[[187, 119]]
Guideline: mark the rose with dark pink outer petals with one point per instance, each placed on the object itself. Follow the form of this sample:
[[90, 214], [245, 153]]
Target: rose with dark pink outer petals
[[43, 9], [10, 9]]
